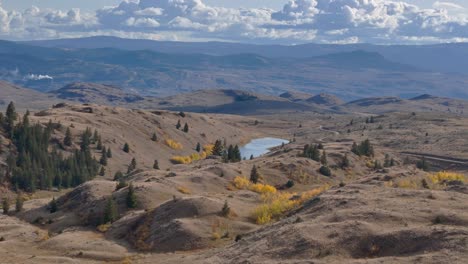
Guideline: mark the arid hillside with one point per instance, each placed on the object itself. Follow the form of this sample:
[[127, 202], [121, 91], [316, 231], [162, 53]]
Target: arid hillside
[[352, 187]]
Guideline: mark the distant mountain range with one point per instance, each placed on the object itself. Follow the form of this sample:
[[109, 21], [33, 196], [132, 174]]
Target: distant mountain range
[[160, 69], [439, 57]]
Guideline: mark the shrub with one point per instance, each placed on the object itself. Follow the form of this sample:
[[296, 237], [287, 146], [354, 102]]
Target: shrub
[[443, 177], [243, 183], [325, 170], [277, 204], [173, 144], [183, 190], [181, 160], [407, 184]]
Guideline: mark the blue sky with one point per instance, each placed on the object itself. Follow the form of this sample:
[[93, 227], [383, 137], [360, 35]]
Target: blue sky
[[252, 21]]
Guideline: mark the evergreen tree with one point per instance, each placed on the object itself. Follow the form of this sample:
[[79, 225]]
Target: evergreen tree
[[67, 141], [10, 118], [423, 164], [110, 211], [236, 154], [102, 172], [103, 160], [53, 207], [218, 148], [6, 205], [132, 166], [178, 124], [109, 153], [156, 165], [118, 176], [325, 170], [363, 149], [230, 153], [186, 128], [121, 184], [345, 163], [254, 175], [131, 197], [126, 148], [198, 147], [99, 144], [19, 203], [323, 159], [85, 140], [154, 137], [96, 136], [226, 210]]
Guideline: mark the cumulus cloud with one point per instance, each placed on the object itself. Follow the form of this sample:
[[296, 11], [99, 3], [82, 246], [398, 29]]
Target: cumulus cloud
[[322, 21]]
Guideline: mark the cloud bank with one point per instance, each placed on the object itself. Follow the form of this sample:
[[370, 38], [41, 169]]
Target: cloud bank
[[299, 21]]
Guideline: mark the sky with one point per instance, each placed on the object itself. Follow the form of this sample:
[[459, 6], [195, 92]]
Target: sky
[[248, 21]]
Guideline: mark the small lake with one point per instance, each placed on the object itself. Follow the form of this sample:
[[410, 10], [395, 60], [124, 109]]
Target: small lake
[[260, 146]]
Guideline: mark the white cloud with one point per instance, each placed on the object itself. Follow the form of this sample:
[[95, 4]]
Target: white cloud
[[323, 21]]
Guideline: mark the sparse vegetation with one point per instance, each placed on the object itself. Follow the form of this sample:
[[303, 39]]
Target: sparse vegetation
[[184, 190], [254, 175], [277, 204], [173, 144], [365, 148], [131, 197], [110, 212], [126, 148]]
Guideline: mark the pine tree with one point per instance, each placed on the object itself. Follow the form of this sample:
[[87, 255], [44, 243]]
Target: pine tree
[[198, 147], [102, 172], [6, 205], [186, 128], [10, 118], [67, 141], [109, 153], [218, 148], [103, 160], [345, 163], [99, 144], [96, 136], [178, 124], [226, 210], [132, 166], [19, 203], [126, 148], [110, 212], [85, 140], [154, 137], [236, 154], [53, 207], [118, 176], [131, 197], [156, 165], [325, 170], [254, 175], [323, 159], [355, 149], [230, 153]]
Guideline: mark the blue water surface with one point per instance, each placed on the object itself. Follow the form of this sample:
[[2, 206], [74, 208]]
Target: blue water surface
[[260, 146]]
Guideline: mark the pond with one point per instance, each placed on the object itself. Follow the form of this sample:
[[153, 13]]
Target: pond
[[260, 146]]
